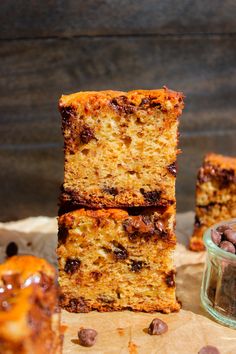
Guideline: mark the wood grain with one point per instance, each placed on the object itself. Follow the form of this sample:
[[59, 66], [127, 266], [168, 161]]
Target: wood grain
[[60, 18], [55, 46], [30, 180], [33, 74]]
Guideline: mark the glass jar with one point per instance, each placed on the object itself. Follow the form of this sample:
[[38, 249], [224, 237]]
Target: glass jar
[[218, 291]]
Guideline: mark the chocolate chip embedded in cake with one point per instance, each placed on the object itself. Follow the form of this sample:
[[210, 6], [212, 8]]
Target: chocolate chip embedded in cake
[[29, 309], [215, 195], [111, 260], [120, 148]]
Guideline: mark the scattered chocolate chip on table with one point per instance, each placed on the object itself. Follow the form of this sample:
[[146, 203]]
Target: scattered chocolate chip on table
[[157, 327], [87, 337], [209, 349]]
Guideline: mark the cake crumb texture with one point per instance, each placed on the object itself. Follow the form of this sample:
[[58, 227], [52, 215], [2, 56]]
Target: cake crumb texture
[[110, 260], [120, 148]]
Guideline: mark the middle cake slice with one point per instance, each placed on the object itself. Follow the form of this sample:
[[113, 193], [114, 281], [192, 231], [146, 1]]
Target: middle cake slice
[[115, 259]]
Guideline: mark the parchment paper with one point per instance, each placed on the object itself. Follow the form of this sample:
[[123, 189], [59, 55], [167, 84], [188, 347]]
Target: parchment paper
[[126, 332]]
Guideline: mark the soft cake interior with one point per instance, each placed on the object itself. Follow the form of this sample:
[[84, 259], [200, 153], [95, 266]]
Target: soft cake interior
[[120, 148], [109, 260]]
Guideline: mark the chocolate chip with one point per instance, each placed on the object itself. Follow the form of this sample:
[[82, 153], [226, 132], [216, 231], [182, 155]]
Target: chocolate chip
[[216, 237], [149, 101], [62, 234], [66, 112], [172, 168], [151, 196], [230, 235], [96, 275], [159, 229], [136, 266], [222, 228], [72, 265], [123, 105], [87, 337], [223, 176], [197, 222], [119, 252], [155, 104], [12, 249], [170, 279], [146, 219], [157, 327], [77, 305], [144, 101], [209, 349], [86, 135], [73, 305], [227, 246], [112, 190], [138, 226], [226, 177]]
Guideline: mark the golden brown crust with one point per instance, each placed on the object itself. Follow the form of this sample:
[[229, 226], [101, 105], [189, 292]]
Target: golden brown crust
[[221, 161], [29, 313], [215, 195], [79, 305], [89, 99], [111, 260], [120, 148]]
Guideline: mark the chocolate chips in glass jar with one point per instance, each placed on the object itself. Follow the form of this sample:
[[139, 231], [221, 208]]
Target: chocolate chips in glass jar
[[225, 238], [223, 296]]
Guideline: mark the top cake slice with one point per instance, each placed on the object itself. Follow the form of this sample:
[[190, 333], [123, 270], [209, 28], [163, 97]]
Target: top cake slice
[[120, 148]]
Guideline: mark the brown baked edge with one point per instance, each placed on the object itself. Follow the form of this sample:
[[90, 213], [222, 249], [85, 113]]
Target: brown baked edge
[[79, 305], [70, 201]]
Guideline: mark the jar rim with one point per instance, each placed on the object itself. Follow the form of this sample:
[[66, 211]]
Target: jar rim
[[211, 246]]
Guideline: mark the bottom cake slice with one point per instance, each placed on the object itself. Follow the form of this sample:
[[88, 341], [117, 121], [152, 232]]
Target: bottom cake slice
[[29, 312], [110, 260]]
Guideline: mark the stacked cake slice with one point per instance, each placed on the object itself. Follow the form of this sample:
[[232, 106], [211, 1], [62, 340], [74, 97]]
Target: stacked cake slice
[[117, 207], [215, 195]]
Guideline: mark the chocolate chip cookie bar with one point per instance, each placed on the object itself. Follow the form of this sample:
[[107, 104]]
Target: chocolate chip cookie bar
[[215, 195], [29, 313], [113, 259], [120, 148]]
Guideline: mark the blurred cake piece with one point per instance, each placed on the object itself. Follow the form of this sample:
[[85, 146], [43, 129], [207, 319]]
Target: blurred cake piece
[[29, 312], [120, 148], [115, 259], [215, 195]]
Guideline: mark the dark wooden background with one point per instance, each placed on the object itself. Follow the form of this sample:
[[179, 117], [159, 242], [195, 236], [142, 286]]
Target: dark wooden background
[[52, 47]]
